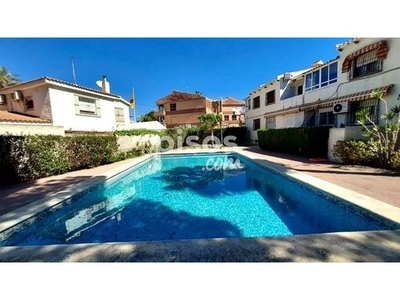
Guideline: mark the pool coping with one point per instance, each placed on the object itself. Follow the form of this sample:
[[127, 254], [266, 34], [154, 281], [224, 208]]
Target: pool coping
[[386, 210]]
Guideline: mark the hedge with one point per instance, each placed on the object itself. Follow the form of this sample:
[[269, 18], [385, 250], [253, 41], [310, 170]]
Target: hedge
[[25, 158], [361, 152], [239, 132], [132, 132], [303, 141]]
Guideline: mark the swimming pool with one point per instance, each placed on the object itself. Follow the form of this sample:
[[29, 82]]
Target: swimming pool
[[175, 197]]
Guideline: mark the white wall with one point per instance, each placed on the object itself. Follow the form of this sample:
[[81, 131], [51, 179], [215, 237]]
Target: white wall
[[259, 113], [38, 94], [128, 143], [63, 111], [342, 134], [25, 129], [389, 74]]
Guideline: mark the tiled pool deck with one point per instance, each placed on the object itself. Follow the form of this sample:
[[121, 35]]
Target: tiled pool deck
[[372, 189]]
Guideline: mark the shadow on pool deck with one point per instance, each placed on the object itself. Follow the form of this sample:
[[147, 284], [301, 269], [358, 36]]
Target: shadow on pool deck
[[378, 246], [376, 183], [18, 195]]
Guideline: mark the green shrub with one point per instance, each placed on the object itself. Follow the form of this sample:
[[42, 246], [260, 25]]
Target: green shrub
[[140, 132], [304, 141], [14, 159], [48, 155], [90, 151], [356, 152], [394, 162], [29, 157]]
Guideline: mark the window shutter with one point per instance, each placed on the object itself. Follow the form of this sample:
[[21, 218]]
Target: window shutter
[[98, 112], [76, 104]]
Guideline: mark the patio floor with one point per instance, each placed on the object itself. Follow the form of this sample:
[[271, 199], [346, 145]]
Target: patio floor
[[361, 246]]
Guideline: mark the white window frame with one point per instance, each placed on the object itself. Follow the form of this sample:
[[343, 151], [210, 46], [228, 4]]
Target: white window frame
[[119, 114], [313, 80], [81, 100]]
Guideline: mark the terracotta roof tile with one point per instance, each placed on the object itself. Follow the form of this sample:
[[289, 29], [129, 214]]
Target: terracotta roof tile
[[178, 96], [6, 116], [232, 101], [45, 78]]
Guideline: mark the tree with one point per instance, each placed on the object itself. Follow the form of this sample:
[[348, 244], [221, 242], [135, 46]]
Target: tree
[[7, 78], [383, 138], [210, 121], [150, 116]]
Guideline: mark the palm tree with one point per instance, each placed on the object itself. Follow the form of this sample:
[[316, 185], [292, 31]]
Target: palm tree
[[7, 78], [210, 121]]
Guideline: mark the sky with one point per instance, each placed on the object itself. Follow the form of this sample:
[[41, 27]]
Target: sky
[[220, 48], [154, 67]]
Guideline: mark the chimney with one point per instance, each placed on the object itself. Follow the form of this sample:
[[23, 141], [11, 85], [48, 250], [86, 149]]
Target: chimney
[[318, 63], [105, 85]]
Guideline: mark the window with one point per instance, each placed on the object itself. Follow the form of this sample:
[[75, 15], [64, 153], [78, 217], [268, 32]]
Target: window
[[256, 124], [270, 97], [300, 90], [3, 100], [234, 117], [372, 105], [172, 106], [270, 122], [119, 115], [325, 117], [365, 64], [248, 104], [226, 118], [256, 102], [87, 106], [28, 103], [322, 77]]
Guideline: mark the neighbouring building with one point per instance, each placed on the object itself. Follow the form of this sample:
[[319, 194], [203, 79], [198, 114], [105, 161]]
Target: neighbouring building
[[232, 111], [182, 109], [29, 106], [330, 93]]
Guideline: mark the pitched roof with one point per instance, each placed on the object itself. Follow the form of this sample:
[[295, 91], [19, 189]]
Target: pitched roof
[[6, 116], [178, 96], [232, 101], [301, 75], [340, 47], [50, 79]]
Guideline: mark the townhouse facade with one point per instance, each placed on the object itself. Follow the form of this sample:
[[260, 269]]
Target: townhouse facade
[[232, 111], [184, 109], [330, 93]]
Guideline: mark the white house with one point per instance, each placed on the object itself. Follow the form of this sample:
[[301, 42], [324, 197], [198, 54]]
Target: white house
[[62, 104], [332, 92]]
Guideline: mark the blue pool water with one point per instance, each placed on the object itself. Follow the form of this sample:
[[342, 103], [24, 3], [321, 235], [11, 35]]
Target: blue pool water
[[174, 197]]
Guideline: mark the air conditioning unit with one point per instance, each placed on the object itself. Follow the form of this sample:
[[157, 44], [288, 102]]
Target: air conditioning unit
[[341, 108], [2, 99], [16, 96]]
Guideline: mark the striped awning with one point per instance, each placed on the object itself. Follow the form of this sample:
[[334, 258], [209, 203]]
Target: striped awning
[[382, 50], [283, 112], [360, 96]]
